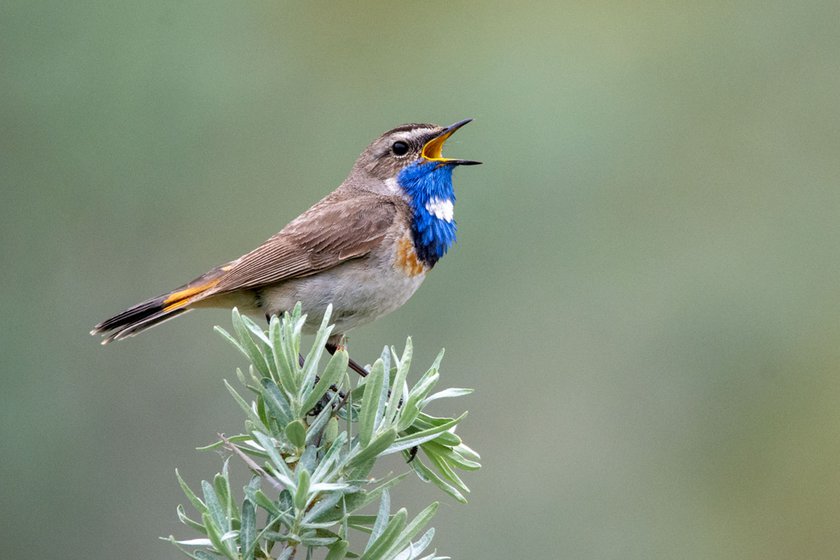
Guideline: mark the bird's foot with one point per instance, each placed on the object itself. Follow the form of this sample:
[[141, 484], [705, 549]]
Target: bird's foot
[[412, 453], [326, 399]]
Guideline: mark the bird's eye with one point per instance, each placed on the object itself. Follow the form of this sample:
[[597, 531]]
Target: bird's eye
[[399, 148]]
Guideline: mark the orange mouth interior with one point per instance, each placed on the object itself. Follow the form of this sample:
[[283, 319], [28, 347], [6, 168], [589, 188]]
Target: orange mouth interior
[[433, 150]]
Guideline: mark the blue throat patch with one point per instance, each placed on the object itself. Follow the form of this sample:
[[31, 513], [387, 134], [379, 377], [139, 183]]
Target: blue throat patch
[[426, 182]]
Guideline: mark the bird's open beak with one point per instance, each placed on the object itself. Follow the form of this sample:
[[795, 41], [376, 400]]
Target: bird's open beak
[[433, 150]]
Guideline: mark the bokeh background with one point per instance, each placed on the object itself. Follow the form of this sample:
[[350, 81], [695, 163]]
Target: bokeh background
[[644, 291]]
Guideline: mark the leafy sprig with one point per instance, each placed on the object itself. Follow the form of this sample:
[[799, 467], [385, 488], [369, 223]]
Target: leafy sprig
[[311, 441]]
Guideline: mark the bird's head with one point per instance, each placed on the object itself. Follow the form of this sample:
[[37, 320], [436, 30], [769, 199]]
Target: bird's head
[[410, 148], [407, 161]]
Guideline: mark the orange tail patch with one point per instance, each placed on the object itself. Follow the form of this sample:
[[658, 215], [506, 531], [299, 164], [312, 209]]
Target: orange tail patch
[[183, 297]]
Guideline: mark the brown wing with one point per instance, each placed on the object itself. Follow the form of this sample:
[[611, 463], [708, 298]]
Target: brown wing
[[331, 232]]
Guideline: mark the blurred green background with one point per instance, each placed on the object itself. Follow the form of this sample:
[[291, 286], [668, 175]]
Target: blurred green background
[[644, 290]]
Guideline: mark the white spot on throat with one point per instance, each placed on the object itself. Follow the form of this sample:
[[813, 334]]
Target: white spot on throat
[[441, 208]]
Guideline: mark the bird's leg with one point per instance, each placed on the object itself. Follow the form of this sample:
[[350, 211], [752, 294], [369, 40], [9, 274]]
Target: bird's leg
[[332, 348]]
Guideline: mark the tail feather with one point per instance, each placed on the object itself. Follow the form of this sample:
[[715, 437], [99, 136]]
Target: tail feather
[[149, 313], [140, 325]]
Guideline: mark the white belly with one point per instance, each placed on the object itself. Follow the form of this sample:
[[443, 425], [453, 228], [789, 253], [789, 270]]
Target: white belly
[[360, 291]]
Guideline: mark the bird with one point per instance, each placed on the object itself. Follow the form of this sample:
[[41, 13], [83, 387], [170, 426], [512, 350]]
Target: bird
[[365, 248]]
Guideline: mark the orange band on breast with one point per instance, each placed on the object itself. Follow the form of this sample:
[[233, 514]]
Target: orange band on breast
[[407, 259]]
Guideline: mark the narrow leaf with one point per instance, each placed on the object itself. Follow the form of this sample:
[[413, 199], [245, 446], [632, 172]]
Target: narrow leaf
[[195, 542], [310, 364], [387, 538], [329, 458], [322, 507], [382, 517], [370, 403], [424, 422], [282, 362], [414, 550], [422, 436], [248, 530], [332, 374], [287, 553], [318, 541], [465, 450], [415, 397], [214, 507], [447, 472], [377, 446], [265, 502], [452, 392], [194, 500], [379, 418], [252, 416], [398, 386], [255, 354], [182, 517], [302, 493], [360, 500], [227, 336], [216, 538], [452, 456], [277, 401], [221, 482], [282, 472], [414, 527], [427, 475], [438, 360], [337, 550]]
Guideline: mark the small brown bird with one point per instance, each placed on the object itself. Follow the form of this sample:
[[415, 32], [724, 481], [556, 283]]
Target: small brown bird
[[366, 247]]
